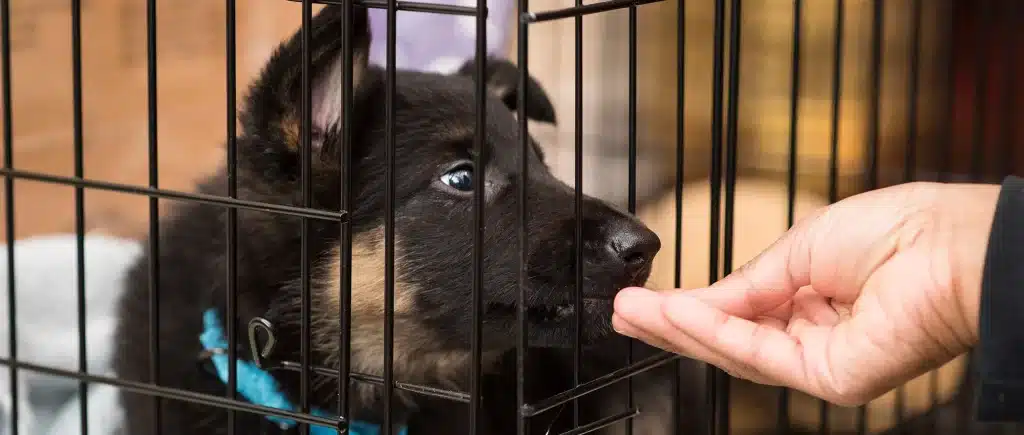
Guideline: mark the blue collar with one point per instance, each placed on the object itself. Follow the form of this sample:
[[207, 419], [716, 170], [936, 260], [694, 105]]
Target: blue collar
[[259, 387]]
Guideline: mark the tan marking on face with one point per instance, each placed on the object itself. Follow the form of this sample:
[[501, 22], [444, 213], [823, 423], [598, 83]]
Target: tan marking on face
[[359, 61], [418, 357], [455, 132], [498, 90], [291, 130]]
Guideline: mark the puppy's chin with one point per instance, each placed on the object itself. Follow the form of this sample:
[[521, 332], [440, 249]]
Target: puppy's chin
[[561, 333]]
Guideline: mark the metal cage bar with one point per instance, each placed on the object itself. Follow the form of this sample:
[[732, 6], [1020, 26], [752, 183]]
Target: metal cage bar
[[833, 167], [716, 378], [158, 193], [154, 213], [731, 168], [433, 8], [724, 167], [76, 85], [480, 159], [677, 274], [981, 83], [522, 57], [631, 176], [231, 227], [577, 354], [12, 317], [306, 179], [345, 239], [877, 28], [165, 393], [389, 219], [782, 414]]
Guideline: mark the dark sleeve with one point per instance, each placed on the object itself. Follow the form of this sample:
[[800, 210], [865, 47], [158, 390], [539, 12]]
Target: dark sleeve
[[1000, 350]]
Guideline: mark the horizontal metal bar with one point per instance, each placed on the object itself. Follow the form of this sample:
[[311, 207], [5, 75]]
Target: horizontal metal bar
[[457, 396], [176, 394], [417, 389], [433, 8], [579, 11], [603, 423], [171, 194], [599, 383]]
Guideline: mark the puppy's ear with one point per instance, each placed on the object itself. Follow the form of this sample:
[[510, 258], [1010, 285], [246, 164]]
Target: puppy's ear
[[274, 107], [503, 81]]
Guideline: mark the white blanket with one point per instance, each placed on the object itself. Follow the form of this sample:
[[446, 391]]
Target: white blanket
[[47, 331]]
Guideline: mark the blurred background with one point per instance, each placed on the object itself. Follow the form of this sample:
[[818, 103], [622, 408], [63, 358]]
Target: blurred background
[[956, 57]]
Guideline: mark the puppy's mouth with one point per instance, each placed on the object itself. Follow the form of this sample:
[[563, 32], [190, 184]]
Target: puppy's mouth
[[552, 324], [537, 314]]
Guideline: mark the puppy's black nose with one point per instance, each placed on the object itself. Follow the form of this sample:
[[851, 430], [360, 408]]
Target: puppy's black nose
[[633, 245]]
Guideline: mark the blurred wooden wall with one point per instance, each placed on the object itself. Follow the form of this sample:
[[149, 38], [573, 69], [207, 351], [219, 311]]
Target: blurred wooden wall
[[764, 92]]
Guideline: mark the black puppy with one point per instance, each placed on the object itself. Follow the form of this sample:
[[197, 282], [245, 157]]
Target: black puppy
[[434, 119]]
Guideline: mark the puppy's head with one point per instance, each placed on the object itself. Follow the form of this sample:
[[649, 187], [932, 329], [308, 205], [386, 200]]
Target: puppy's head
[[433, 204]]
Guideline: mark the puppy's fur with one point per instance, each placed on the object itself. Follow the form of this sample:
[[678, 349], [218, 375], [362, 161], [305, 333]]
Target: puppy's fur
[[433, 138]]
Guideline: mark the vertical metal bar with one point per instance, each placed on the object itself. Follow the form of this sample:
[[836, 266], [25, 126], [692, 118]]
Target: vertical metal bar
[[945, 158], [794, 108], [1010, 91], [232, 218], [837, 85], [306, 149], [833, 173], [76, 89], [389, 221], [981, 51], [945, 151], [910, 156], [677, 279], [877, 29], [345, 238], [722, 411], [479, 194], [154, 214], [910, 168], [782, 417], [577, 357], [12, 323], [713, 373], [631, 199], [522, 38]]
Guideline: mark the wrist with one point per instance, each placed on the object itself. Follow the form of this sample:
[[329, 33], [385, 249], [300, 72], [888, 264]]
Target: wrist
[[969, 210]]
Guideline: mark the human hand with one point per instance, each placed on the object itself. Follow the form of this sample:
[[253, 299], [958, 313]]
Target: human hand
[[853, 301]]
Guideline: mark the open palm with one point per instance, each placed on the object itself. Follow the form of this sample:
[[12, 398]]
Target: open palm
[[853, 301]]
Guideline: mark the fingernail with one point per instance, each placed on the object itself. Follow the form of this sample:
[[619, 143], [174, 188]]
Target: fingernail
[[618, 326]]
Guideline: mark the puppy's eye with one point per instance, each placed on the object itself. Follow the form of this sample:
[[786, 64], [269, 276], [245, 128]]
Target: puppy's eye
[[459, 178]]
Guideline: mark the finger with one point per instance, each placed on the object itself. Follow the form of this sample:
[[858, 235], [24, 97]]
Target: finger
[[747, 302], [687, 347], [766, 282], [768, 351], [772, 322], [783, 267], [633, 317], [809, 305], [628, 329]]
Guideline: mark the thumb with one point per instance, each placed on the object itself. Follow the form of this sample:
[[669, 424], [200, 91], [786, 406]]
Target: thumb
[[765, 282]]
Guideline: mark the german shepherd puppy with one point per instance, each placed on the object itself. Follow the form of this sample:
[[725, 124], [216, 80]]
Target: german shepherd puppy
[[434, 125]]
